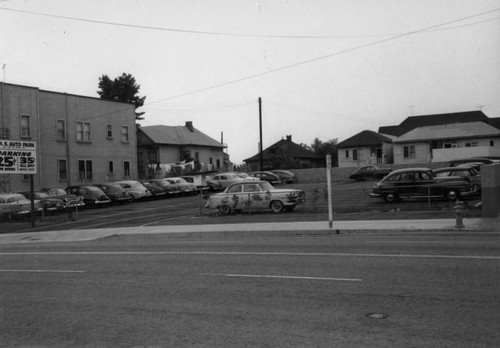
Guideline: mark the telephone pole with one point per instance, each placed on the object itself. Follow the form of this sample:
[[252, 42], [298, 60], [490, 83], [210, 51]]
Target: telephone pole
[[261, 160]]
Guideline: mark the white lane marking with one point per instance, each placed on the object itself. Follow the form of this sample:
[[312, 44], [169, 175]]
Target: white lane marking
[[40, 271], [287, 277], [236, 253]]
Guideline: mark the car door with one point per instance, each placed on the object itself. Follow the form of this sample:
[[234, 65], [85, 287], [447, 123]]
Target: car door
[[405, 186], [255, 197]]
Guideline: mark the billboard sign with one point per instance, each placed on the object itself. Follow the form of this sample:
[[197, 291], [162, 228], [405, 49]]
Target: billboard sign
[[17, 157]]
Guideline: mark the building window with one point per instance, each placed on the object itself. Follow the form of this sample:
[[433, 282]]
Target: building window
[[409, 151], [492, 142], [109, 131], [346, 153], [25, 127], [61, 130], [211, 160], [126, 169], [62, 170], [83, 131], [218, 163], [125, 134], [471, 144], [84, 169], [111, 168], [355, 155]]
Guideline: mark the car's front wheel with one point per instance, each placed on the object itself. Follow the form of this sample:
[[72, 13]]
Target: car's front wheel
[[224, 209], [391, 197], [276, 206]]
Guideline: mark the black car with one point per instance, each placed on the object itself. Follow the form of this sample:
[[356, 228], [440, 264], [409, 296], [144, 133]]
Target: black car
[[462, 170], [369, 172], [267, 176], [421, 183], [92, 195], [115, 192]]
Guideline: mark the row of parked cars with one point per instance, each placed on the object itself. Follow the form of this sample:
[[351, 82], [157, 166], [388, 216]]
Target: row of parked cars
[[14, 205], [460, 179]]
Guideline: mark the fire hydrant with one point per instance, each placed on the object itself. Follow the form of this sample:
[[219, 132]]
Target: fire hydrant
[[459, 207]]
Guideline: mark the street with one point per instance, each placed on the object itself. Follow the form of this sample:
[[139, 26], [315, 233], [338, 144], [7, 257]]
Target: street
[[356, 290]]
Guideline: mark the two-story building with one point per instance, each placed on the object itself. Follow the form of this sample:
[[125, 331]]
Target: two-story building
[[80, 140]]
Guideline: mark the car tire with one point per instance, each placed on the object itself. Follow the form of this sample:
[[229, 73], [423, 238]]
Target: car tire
[[391, 198], [224, 209], [276, 206]]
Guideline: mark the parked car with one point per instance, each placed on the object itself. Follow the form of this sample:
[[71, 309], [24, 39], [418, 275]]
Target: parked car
[[223, 180], [49, 203], [267, 176], [165, 185], [247, 177], [482, 160], [421, 182], [369, 172], [255, 195], [70, 200], [185, 188], [15, 205], [286, 176], [464, 171], [92, 195], [135, 189], [115, 192], [156, 190]]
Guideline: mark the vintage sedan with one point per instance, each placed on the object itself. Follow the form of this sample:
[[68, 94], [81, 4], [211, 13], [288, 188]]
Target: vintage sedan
[[421, 183], [286, 176], [135, 189], [369, 172], [70, 200], [270, 177], [223, 180], [115, 192], [255, 195], [15, 205], [49, 203], [464, 171], [92, 195], [185, 188]]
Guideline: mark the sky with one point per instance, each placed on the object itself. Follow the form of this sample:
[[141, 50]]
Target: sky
[[325, 69]]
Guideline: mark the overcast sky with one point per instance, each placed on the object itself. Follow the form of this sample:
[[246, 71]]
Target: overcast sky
[[323, 68]]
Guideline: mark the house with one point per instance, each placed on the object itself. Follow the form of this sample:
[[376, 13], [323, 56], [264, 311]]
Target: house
[[444, 137], [366, 147], [177, 150], [285, 154], [79, 139]]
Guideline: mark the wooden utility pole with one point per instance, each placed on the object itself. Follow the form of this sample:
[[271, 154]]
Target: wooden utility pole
[[261, 160]]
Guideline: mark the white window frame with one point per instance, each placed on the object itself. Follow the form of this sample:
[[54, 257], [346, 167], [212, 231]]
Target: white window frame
[[59, 162], [109, 131], [25, 130], [83, 132], [125, 135], [126, 169], [87, 172]]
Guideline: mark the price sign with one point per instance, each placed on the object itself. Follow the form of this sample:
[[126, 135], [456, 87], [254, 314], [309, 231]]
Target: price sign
[[17, 157]]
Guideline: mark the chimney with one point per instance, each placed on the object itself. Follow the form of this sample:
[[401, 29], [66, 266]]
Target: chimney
[[289, 138], [189, 125]]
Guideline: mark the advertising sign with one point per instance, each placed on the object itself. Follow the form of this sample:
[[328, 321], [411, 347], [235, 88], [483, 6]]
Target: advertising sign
[[17, 157]]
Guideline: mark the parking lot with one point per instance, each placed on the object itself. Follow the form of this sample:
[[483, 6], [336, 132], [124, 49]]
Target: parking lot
[[350, 200]]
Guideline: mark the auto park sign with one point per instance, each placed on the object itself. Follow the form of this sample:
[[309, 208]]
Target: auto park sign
[[17, 157]]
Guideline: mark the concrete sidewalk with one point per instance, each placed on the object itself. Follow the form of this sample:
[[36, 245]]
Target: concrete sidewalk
[[261, 229]]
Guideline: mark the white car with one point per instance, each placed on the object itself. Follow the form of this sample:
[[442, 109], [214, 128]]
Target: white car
[[255, 195], [135, 189], [15, 205]]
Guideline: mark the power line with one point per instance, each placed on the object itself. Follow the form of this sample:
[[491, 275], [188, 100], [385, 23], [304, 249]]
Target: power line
[[186, 31], [308, 61]]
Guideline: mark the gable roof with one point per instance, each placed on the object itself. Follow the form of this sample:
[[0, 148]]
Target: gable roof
[[365, 138], [413, 122], [293, 150], [179, 135]]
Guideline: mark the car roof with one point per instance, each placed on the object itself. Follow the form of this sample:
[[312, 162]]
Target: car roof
[[416, 169]]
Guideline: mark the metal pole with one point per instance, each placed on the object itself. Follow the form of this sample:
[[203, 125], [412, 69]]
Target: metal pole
[[261, 160], [32, 195], [329, 186]]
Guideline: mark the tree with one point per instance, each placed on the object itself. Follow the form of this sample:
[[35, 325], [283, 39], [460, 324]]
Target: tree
[[323, 148], [122, 89]]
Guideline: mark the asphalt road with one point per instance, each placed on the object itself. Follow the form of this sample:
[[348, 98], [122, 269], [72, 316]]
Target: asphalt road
[[414, 290]]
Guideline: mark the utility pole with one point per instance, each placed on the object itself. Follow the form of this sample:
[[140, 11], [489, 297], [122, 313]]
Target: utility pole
[[261, 160]]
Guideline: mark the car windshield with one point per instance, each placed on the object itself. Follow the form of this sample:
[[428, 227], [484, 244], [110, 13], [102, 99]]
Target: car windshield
[[266, 186], [16, 198], [41, 195]]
